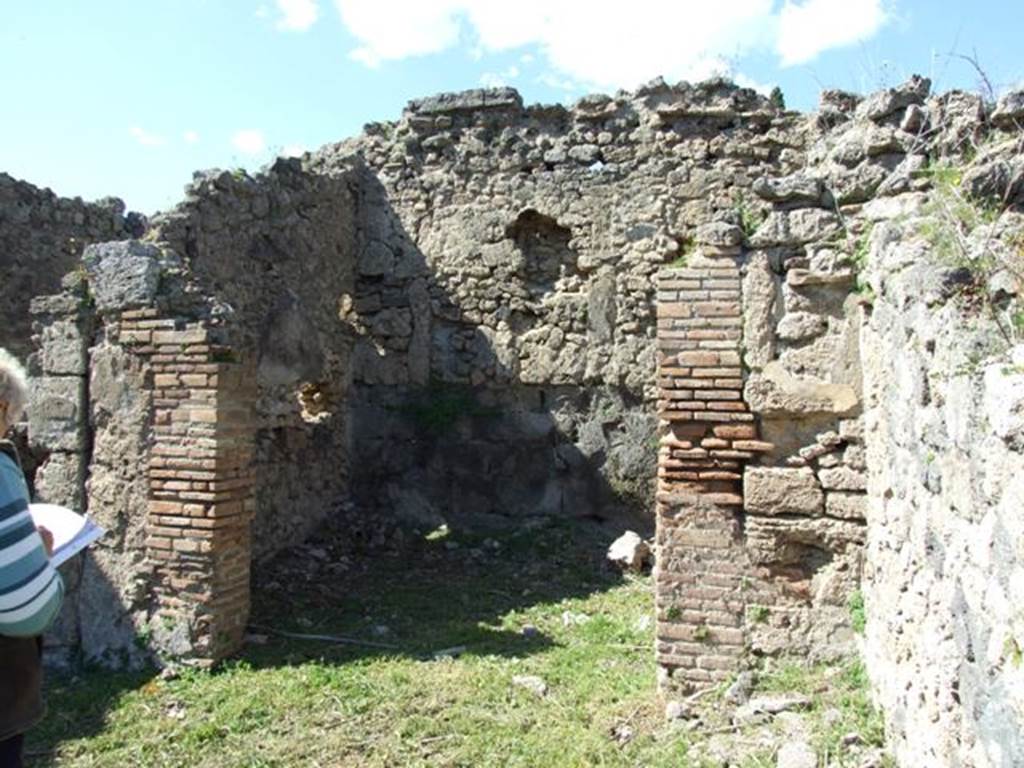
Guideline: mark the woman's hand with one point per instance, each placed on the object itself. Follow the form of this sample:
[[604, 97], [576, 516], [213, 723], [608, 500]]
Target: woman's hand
[[47, 539]]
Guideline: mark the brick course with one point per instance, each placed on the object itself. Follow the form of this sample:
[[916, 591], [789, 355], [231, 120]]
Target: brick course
[[198, 542], [708, 435]]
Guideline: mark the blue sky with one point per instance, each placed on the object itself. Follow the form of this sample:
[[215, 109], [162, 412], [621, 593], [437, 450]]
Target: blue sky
[[128, 97]]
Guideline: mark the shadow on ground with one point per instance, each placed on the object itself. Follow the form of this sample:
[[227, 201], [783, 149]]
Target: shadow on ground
[[439, 594]]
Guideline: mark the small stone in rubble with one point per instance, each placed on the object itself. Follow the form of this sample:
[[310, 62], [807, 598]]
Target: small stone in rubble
[[531, 683], [629, 551], [741, 689], [796, 754]]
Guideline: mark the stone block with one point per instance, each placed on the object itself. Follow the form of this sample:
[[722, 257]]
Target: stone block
[[851, 430], [802, 277], [1003, 401], [796, 227], [55, 413], [760, 292], [467, 101], [376, 259], [720, 234], [882, 104], [55, 304], [796, 326], [849, 506], [62, 349], [60, 480], [780, 490], [842, 479], [123, 275], [777, 392], [1009, 111], [796, 188]]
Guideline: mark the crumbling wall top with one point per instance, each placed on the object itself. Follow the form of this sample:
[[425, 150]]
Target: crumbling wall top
[[467, 101]]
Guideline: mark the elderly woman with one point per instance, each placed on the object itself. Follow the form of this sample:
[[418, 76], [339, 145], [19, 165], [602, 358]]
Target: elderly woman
[[30, 589]]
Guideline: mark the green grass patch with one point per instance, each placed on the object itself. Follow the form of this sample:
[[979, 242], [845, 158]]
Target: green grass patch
[[840, 705], [298, 703], [537, 601]]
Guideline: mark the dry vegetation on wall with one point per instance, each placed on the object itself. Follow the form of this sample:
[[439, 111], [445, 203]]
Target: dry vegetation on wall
[[973, 223]]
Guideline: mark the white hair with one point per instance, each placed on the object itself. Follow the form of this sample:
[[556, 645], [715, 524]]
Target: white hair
[[13, 386]]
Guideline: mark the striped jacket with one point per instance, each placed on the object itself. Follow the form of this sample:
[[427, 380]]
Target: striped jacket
[[31, 590]]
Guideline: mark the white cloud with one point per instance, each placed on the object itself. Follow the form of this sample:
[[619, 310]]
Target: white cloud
[[611, 46], [293, 150], [249, 142], [191, 137], [499, 79], [807, 29], [297, 15], [145, 138], [396, 29], [560, 83]]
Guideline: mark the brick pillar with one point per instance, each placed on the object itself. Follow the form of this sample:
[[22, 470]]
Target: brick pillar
[[708, 434], [200, 485]]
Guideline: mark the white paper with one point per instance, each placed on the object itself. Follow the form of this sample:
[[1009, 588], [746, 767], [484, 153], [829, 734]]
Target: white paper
[[71, 531]]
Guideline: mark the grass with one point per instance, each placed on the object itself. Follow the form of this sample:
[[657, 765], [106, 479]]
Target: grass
[[289, 702], [858, 617], [750, 218], [840, 705], [961, 233]]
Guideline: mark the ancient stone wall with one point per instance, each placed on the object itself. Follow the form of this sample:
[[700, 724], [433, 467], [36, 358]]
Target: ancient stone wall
[[41, 238], [505, 294], [276, 256], [188, 389], [143, 418], [508, 311], [773, 566], [944, 568]]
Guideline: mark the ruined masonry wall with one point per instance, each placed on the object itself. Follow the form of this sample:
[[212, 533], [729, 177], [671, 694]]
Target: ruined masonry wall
[[41, 239], [469, 296], [276, 256], [944, 572], [145, 418], [507, 263]]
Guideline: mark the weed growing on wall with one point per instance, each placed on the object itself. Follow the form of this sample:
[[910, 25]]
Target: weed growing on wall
[[750, 218], [1012, 651], [859, 261], [758, 613], [858, 618], [970, 233], [686, 249], [438, 407]]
